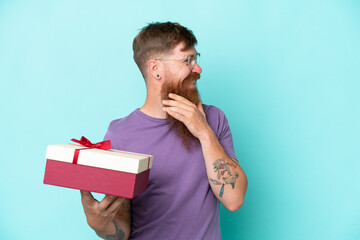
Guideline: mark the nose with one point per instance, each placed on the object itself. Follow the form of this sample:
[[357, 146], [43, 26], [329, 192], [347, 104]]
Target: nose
[[197, 68]]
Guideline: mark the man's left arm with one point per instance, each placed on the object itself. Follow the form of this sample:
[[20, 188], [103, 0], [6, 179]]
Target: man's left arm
[[227, 179]]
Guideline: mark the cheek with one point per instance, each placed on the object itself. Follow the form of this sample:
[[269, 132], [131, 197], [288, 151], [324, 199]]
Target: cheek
[[182, 69], [179, 72], [184, 74]]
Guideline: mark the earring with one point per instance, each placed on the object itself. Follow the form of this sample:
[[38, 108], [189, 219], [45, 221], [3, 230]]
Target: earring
[[158, 76]]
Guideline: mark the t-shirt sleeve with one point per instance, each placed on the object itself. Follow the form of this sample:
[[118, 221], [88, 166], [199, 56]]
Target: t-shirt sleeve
[[109, 134], [220, 125]]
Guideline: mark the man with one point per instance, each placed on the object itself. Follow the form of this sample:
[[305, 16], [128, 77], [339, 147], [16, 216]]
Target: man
[[194, 166]]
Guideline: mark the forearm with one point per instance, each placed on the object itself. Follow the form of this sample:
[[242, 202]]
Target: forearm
[[118, 229], [227, 179]]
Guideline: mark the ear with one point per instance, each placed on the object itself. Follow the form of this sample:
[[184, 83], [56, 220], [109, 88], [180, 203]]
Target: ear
[[154, 69]]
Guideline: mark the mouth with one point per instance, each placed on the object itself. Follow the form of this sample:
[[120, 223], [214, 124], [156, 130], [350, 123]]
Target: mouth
[[192, 85], [191, 80]]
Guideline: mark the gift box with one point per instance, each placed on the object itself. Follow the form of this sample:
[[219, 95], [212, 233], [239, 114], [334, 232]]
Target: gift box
[[95, 168]]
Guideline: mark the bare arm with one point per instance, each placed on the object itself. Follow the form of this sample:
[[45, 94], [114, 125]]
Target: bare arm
[[227, 179], [110, 218]]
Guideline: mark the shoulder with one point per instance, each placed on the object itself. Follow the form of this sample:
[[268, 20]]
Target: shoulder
[[212, 111], [119, 128], [215, 118], [119, 122], [116, 123]]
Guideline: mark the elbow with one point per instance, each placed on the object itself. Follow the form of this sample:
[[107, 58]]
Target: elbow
[[235, 206], [237, 202]]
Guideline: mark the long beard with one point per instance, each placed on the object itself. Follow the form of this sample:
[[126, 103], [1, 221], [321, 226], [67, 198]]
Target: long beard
[[184, 89]]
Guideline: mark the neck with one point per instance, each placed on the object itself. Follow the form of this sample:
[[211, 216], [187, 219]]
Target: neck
[[153, 106]]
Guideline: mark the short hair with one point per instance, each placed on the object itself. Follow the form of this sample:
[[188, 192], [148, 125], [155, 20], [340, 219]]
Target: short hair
[[158, 39]]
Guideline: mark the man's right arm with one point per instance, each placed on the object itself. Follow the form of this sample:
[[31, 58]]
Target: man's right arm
[[110, 218]]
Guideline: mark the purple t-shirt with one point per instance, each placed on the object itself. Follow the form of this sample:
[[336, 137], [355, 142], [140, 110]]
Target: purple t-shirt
[[178, 203]]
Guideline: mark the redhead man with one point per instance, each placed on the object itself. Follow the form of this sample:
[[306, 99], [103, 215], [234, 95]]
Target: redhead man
[[194, 167]]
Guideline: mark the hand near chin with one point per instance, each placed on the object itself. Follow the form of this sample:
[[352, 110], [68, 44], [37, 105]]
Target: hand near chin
[[187, 112]]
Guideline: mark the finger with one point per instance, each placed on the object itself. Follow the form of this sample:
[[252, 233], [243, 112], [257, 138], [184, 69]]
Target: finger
[[180, 98], [179, 110], [114, 207], [176, 115], [173, 103], [107, 200], [87, 198]]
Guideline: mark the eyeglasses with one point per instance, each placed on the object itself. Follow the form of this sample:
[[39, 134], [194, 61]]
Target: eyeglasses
[[190, 60]]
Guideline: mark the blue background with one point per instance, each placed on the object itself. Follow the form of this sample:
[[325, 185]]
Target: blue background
[[286, 74]]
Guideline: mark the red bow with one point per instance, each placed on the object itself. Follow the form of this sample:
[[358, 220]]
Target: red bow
[[105, 145], [86, 142]]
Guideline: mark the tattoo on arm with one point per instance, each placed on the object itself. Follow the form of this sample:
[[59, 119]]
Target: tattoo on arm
[[235, 161], [215, 182], [221, 191], [119, 234], [223, 173]]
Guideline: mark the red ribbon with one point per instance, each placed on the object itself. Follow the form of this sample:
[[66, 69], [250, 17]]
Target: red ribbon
[[105, 145]]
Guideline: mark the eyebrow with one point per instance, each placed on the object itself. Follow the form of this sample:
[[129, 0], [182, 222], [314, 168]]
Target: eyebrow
[[193, 54]]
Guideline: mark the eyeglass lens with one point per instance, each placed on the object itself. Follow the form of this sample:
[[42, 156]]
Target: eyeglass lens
[[192, 59]]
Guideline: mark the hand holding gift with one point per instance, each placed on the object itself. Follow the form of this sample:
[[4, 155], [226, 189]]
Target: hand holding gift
[[109, 217]]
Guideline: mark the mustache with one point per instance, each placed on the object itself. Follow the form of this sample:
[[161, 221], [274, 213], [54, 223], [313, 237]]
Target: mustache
[[192, 77]]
